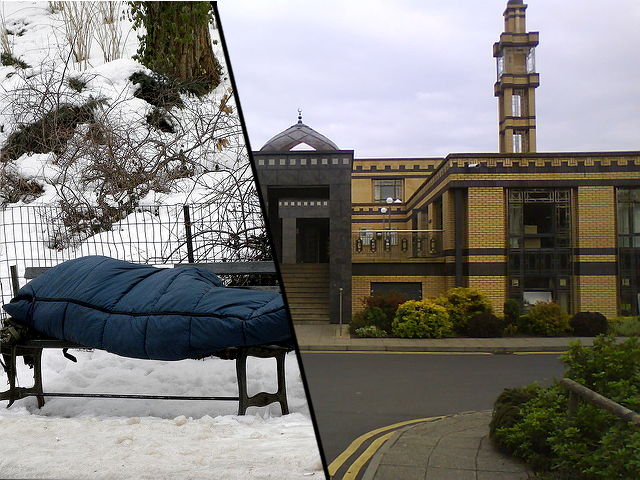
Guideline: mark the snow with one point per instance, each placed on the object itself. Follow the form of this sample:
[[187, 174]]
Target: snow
[[120, 438]]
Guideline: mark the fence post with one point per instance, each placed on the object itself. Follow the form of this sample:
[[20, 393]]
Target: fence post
[[14, 279], [189, 237], [573, 403]]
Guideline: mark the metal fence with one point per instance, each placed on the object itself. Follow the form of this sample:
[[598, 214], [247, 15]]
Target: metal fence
[[395, 245], [41, 236]]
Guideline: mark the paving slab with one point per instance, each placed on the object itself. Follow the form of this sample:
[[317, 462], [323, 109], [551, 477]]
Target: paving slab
[[452, 448]]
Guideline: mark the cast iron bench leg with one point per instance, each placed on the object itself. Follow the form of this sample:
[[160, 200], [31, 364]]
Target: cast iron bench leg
[[37, 376], [282, 387], [10, 366], [261, 399], [241, 372]]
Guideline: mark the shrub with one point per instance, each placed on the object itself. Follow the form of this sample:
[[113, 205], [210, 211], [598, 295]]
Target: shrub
[[370, 331], [375, 317], [591, 444], [506, 409], [9, 60], [77, 83], [545, 318], [421, 319], [461, 304], [49, 134], [512, 311], [589, 324], [510, 330], [485, 325], [369, 317], [388, 303], [625, 326], [357, 321], [156, 90]]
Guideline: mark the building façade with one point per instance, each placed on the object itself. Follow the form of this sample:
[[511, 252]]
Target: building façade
[[562, 227]]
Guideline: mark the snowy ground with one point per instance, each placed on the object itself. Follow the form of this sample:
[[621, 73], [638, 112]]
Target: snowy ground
[[117, 438]]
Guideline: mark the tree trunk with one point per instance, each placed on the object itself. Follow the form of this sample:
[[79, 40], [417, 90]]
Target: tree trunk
[[178, 44]]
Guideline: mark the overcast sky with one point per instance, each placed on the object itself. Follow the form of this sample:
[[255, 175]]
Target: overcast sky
[[415, 77]]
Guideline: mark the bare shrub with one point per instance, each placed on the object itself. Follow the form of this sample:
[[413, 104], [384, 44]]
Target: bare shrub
[[15, 188], [5, 45], [78, 28], [108, 29]]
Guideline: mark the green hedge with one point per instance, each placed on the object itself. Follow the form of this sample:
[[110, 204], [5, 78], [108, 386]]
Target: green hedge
[[592, 444]]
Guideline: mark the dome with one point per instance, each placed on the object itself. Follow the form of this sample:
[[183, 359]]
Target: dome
[[298, 134]]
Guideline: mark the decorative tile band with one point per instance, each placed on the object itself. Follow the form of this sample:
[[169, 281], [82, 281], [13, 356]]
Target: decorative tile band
[[303, 203], [302, 162]]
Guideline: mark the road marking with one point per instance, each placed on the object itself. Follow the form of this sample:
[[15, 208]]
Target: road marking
[[541, 353], [393, 352], [353, 447], [365, 456]]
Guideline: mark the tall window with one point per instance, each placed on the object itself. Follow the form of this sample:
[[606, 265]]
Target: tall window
[[517, 142], [385, 188], [540, 245], [516, 104], [628, 206]]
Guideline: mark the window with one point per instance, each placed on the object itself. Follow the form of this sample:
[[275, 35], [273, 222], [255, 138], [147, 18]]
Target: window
[[385, 188], [540, 264], [406, 290], [500, 66], [628, 219], [517, 142], [516, 105], [531, 60]]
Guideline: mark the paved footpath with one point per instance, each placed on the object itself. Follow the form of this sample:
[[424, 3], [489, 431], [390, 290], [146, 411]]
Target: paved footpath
[[330, 337], [453, 448]]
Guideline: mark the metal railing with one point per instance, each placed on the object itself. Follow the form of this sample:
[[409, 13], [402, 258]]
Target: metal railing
[[396, 245]]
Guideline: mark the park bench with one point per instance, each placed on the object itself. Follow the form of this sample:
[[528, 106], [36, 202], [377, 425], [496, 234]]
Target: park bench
[[31, 352]]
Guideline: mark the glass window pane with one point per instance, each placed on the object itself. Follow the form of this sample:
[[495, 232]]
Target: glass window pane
[[635, 215], [623, 218], [515, 219]]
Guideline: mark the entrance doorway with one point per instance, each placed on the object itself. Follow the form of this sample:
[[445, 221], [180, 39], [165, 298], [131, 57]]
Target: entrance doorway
[[312, 240]]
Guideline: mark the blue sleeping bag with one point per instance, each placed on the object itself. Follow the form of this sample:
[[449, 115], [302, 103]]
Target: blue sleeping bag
[[142, 311]]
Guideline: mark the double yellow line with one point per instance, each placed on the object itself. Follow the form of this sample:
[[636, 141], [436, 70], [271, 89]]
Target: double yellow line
[[365, 456]]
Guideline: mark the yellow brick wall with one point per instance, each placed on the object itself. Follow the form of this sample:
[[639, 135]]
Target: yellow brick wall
[[487, 223], [448, 220], [596, 213], [597, 293], [494, 287]]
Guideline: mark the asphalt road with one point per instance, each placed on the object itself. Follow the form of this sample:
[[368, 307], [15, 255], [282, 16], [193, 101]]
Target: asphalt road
[[353, 393]]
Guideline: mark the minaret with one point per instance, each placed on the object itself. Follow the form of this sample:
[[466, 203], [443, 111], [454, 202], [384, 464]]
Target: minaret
[[517, 80]]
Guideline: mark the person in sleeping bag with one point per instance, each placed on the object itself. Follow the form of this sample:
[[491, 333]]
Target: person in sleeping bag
[[142, 311]]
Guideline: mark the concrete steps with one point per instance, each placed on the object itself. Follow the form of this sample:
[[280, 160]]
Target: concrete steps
[[307, 289]]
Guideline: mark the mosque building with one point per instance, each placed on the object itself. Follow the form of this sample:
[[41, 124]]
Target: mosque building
[[561, 227]]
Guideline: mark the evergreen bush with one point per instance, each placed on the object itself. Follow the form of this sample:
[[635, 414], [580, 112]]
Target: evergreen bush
[[485, 325], [388, 303], [370, 331], [589, 324], [461, 304], [591, 444], [625, 326], [545, 318], [512, 311], [421, 319]]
